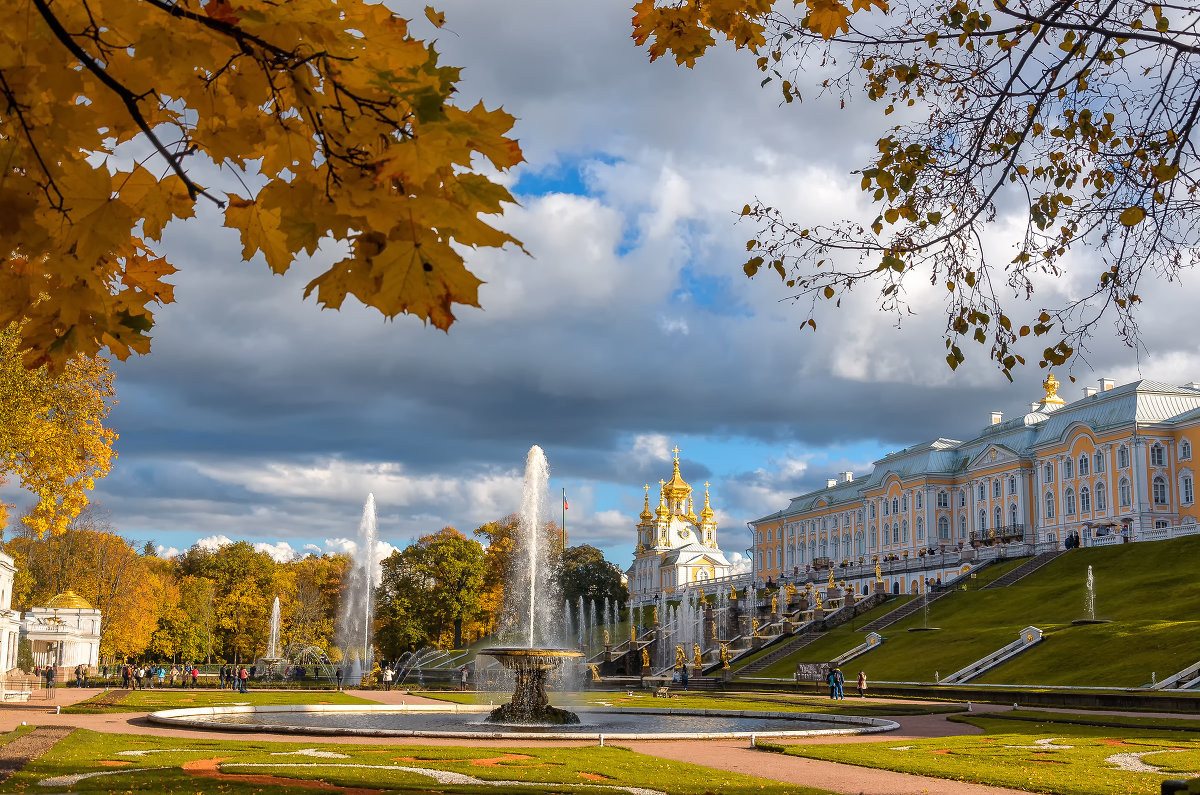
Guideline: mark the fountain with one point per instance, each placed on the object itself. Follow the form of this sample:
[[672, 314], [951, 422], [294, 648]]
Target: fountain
[[356, 624], [1089, 603], [273, 641], [530, 600]]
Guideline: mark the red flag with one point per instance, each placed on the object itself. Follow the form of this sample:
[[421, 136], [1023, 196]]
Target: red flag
[[565, 506]]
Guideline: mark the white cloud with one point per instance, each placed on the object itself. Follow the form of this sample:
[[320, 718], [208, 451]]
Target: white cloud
[[213, 543], [313, 548], [166, 552], [280, 551], [649, 447], [740, 563], [673, 325]]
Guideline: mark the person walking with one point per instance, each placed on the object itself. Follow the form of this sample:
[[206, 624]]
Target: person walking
[[50, 681], [462, 678], [683, 677], [862, 684], [244, 679], [387, 678], [839, 682], [195, 675], [338, 675]]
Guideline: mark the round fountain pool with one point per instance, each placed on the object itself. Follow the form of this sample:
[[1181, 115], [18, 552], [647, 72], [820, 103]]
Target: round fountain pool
[[466, 721]]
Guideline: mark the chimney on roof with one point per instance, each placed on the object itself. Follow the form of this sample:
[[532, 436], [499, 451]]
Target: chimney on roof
[[847, 477], [997, 417], [1088, 391], [829, 484], [1106, 384]]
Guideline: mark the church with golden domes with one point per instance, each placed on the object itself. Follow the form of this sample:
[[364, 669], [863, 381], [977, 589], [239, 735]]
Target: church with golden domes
[[675, 547]]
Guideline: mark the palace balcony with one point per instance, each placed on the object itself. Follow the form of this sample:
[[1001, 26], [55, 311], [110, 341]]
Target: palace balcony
[[1008, 534]]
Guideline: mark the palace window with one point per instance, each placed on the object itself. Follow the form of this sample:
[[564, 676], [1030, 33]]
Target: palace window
[[996, 487], [962, 526], [860, 521], [943, 499], [1122, 457], [962, 498], [1158, 456], [874, 539], [835, 523], [885, 507], [1185, 450], [1069, 502], [920, 529], [872, 510], [1187, 490], [920, 501], [982, 493], [895, 505], [1159, 489], [896, 532], [1085, 499], [771, 558], [1101, 496], [1048, 473], [1012, 485], [1049, 505], [982, 520], [904, 531], [943, 528], [1161, 524], [1068, 469], [1124, 494], [1084, 464], [860, 541], [1098, 462], [1012, 515], [904, 504], [998, 518]]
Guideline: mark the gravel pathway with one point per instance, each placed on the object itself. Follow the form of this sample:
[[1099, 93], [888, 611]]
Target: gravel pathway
[[18, 753]]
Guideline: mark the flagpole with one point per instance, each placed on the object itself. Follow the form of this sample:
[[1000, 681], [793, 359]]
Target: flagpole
[[564, 523]]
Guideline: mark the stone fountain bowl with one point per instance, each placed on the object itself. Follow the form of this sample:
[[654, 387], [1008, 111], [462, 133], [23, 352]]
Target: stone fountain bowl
[[530, 704]]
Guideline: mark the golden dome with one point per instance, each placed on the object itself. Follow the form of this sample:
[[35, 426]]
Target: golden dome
[[646, 516], [707, 513], [68, 600], [676, 488]]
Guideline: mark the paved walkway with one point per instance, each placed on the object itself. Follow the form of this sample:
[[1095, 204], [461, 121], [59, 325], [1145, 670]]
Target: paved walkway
[[732, 755]]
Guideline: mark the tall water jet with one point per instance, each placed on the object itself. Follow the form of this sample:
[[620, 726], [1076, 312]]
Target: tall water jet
[[355, 629], [273, 641], [531, 603], [1090, 603]]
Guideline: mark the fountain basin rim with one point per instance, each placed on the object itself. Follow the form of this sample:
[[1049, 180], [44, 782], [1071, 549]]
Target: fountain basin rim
[[522, 651], [192, 718]]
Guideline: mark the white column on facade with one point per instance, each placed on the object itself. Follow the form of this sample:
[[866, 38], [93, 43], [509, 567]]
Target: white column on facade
[[1140, 461]]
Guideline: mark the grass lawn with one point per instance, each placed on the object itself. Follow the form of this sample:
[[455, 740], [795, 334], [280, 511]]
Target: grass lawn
[[1038, 756], [743, 701], [1155, 626], [135, 763], [154, 700]]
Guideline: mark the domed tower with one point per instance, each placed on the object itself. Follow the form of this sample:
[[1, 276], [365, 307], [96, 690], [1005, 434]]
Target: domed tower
[[708, 522]]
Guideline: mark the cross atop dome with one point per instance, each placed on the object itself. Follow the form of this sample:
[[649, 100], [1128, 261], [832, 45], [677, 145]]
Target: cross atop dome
[[676, 451]]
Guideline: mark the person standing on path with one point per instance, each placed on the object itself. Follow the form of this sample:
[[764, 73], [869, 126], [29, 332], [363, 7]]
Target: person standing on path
[[338, 674], [683, 677], [462, 678], [50, 681], [840, 682], [831, 680], [244, 679], [862, 684]]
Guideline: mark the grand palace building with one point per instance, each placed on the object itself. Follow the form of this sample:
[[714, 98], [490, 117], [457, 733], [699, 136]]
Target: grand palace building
[[1113, 466], [675, 548]]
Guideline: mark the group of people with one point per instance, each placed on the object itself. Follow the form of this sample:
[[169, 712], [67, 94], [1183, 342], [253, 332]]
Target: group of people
[[837, 682], [235, 677], [143, 677]]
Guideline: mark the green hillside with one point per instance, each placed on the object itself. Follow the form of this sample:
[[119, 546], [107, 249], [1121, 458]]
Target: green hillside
[[1147, 589]]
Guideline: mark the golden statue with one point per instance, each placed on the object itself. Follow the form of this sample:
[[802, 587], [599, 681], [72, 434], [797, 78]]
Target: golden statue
[[607, 640], [732, 592], [645, 659], [775, 604], [655, 614], [817, 606], [595, 672], [791, 592], [754, 627], [1051, 386], [724, 657], [878, 572], [830, 585], [697, 657], [714, 630], [632, 635], [680, 657]]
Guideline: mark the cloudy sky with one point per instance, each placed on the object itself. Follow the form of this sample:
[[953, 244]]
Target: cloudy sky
[[630, 330]]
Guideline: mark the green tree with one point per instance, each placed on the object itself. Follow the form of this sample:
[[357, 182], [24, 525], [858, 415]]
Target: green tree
[[586, 573], [244, 584], [1073, 123]]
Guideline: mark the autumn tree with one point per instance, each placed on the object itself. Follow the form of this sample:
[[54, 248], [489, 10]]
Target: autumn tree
[[329, 121], [586, 573], [311, 606], [1073, 123], [52, 436], [244, 582]]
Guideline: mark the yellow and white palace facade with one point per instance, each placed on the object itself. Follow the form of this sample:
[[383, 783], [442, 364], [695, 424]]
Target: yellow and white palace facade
[[676, 549], [1114, 466]]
